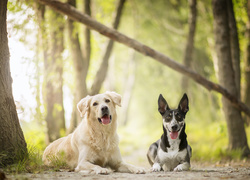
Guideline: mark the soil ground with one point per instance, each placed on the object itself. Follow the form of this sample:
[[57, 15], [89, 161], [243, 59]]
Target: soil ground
[[205, 170]]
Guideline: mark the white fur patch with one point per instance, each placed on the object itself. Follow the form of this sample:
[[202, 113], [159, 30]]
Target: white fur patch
[[156, 167]]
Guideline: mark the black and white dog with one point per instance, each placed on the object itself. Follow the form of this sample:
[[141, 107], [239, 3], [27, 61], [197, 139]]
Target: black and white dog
[[171, 151]]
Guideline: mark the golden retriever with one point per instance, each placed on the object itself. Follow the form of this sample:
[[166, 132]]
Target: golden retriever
[[93, 146]]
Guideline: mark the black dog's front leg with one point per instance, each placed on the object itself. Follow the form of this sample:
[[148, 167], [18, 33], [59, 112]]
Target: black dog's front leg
[[157, 166]]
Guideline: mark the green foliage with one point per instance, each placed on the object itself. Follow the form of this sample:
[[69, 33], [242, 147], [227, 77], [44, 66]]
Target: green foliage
[[34, 134]]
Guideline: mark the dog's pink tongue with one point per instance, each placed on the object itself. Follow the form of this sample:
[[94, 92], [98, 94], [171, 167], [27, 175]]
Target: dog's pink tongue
[[105, 119], [174, 135]]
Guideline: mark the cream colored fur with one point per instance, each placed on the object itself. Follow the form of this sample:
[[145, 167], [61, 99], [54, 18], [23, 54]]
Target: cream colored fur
[[92, 147]]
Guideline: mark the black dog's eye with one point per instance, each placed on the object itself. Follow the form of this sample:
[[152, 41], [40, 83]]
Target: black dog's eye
[[169, 117], [178, 117], [95, 104], [107, 101]]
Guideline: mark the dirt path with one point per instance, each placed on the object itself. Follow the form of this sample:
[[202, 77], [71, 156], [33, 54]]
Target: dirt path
[[239, 170]]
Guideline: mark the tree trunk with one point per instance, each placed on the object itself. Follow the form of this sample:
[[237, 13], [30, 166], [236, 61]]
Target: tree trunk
[[13, 147], [247, 64], [39, 9], [80, 69], [235, 48], [188, 55], [87, 37], [103, 69], [235, 124], [129, 79], [145, 50], [53, 67]]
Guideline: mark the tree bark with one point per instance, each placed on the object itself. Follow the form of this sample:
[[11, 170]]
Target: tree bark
[[143, 49], [40, 10], [129, 80], [103, 69], [53, 67], [235, 124], [235, 48], [188, 54], [13, 147], [87, 45], [80, 69], [247, 64]]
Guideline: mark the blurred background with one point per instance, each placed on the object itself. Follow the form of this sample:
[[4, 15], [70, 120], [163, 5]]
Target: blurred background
[[55, 62]]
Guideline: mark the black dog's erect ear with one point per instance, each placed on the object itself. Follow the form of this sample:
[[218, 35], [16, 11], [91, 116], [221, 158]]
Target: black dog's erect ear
[[162, 105], [183, 105]]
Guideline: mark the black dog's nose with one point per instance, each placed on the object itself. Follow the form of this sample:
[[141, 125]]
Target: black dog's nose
[[174, 127], [104, 108]]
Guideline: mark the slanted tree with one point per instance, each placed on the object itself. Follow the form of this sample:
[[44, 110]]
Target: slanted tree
[[235, 123], [103, 69], [12, 143], [145, 50]]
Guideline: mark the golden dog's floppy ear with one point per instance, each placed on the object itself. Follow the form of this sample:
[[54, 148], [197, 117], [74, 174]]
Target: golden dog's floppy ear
[[83, 105], [116, 98]]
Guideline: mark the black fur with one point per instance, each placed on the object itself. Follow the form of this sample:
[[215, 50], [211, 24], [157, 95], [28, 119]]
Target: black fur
[[163, 142]]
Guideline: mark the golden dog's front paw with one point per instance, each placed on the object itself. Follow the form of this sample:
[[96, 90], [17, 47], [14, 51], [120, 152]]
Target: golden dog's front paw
[[138, 170], [99, 170], [128, 168]]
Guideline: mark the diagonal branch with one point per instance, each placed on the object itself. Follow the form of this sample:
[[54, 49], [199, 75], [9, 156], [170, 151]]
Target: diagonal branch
[[119, 37]]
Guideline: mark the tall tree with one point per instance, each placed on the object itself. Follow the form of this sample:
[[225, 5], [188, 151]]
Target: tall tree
[[235, 48], [87, 34], [12, 143], [129, 80], [81, 65], [247, 63], [188, 54], [235, 124], [51, 45], [53, 72]]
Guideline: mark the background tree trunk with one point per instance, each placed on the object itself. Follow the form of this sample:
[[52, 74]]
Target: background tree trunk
[[235, 48], [12, 143], [80, 68], [53, 78], [87, 37], [247, 64], [40, 55], [129, 79], [235, 124], [188, 54], [103, 69]]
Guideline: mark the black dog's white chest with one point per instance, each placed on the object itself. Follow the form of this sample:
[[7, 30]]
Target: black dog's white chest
[[173, 156]]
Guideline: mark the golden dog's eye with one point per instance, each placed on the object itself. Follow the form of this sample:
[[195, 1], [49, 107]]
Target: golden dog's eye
[[107, 101], [95, 104]]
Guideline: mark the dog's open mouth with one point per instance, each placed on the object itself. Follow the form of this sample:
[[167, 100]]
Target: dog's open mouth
[[105, 119], [174, 134]]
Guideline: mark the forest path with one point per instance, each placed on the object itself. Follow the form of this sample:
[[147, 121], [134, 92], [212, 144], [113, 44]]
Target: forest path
[[227, 170]]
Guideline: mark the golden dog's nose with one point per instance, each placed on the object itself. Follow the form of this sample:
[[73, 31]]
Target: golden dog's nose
[[104, 108]]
